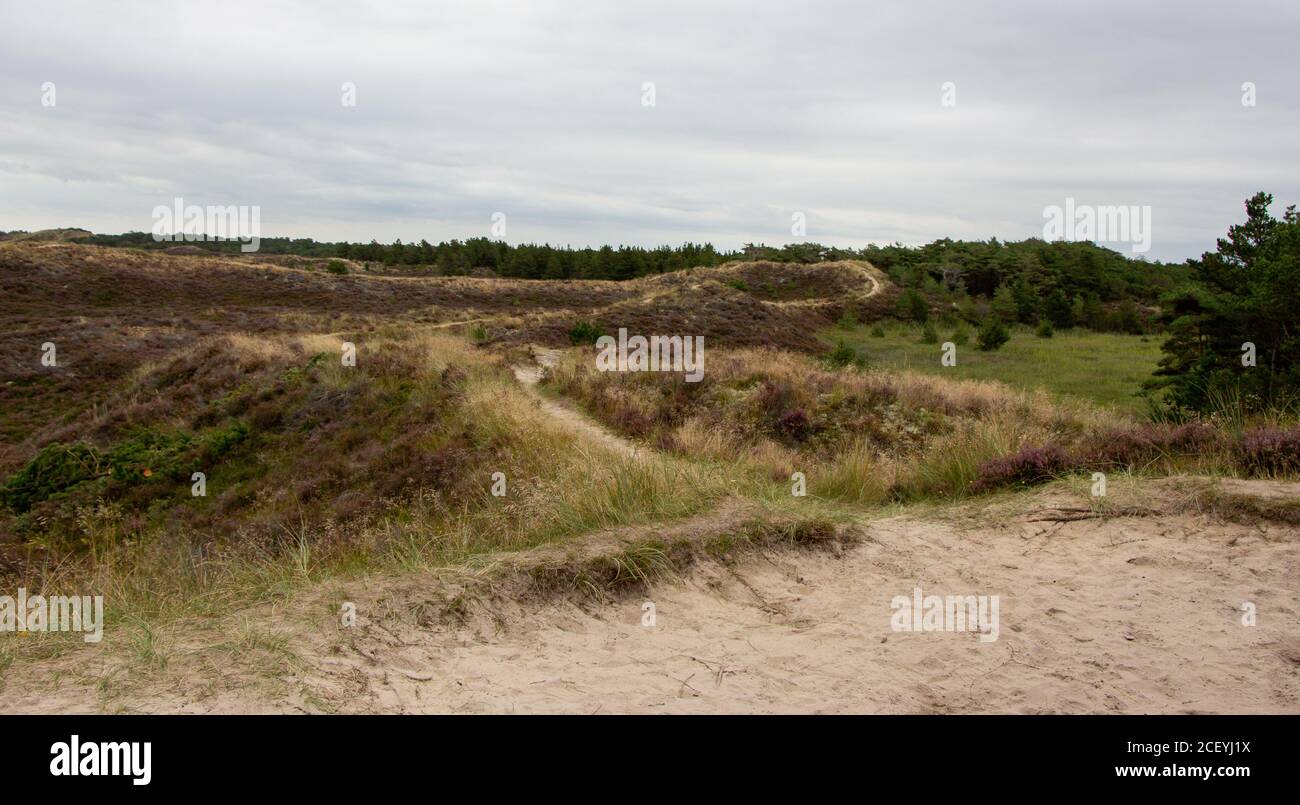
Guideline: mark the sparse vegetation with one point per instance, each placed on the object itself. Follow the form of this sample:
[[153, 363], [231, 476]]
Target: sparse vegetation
[[317, 471]]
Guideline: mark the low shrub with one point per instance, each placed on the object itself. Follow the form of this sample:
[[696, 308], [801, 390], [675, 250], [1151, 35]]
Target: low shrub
[[992, 335], [584, 332], [794, 425], [56, 469], [1270, 451], [1030, 465], [844, 355]]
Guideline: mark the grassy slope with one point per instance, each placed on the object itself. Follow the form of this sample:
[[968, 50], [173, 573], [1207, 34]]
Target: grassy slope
[[1105, 368], [386, 466]]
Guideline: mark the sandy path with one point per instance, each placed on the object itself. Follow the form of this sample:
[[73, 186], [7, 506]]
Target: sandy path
[[875, 280], [530, 376]]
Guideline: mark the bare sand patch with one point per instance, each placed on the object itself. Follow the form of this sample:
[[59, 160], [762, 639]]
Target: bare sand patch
[[1135, 610]]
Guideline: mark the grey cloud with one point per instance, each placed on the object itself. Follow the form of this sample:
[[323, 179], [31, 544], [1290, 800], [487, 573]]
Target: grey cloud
[[831, 109]]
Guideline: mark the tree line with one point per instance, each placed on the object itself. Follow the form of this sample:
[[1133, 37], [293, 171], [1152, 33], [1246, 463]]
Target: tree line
[[1231, 315], [1058, 280]]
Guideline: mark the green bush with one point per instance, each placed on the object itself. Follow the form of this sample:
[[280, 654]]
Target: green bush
[[219, 443], [148, 453], [913, 305], [336, 267], [929, 335], [56, 469], [1045, 329], [584, 333], [992, 335], [845, 355], [877, 332]]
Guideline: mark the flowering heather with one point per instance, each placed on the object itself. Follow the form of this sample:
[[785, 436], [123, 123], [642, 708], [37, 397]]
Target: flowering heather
[[1268, 451], [1142, 444], [1030, 465]]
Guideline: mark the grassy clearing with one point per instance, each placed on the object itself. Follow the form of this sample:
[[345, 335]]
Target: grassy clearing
[[1103, 368]]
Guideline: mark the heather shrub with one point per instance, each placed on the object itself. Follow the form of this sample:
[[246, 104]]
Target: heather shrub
[[1271, 451], [794, 425], [1030, 465], [1143, 444]]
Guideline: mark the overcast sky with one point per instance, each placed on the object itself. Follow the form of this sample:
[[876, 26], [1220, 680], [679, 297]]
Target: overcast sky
[[761, 110]]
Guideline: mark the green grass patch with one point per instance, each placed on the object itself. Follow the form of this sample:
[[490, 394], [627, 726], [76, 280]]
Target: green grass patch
[[1105, 368]]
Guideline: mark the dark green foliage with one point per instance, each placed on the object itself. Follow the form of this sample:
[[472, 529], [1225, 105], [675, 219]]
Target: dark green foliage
[[1058, 310], [1044, 329], [1030, 269], [220, 443], [1004, 305], [929, 335], [142, 456], [462, 257], [913, 305], [1248, 291], [146, 453], [584, 332], [992, 335], [54, 470], [844, 355]]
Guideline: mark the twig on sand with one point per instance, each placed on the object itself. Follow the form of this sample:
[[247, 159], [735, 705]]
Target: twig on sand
[[1069, 515]]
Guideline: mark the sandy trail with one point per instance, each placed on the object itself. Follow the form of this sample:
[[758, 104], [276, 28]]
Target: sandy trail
[[530, 376]]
